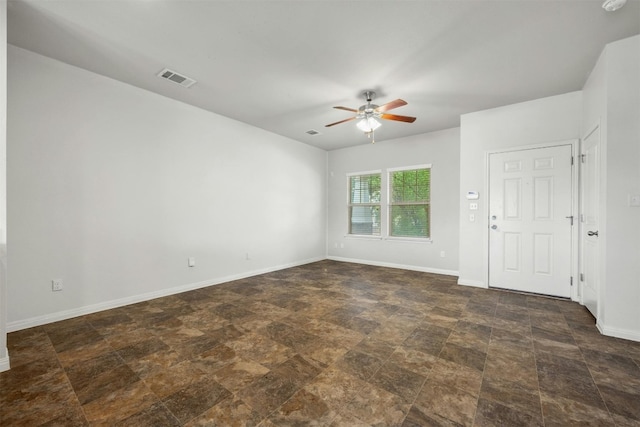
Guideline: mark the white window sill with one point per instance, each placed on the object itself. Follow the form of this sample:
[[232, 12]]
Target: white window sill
[[418, 240], [362, 237]]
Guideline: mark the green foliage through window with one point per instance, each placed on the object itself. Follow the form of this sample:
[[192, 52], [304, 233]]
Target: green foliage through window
[[409, 213]]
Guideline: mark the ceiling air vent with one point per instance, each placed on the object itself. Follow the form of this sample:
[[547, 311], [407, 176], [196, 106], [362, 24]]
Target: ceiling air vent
[[312, 132], [176, 78]]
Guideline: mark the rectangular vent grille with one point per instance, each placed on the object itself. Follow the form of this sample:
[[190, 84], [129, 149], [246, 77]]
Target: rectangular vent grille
[[313, 132], [174, 77]]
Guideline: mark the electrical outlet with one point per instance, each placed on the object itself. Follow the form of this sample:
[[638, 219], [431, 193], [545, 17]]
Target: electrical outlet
[[56, 285], [442, 254], [191, 262]]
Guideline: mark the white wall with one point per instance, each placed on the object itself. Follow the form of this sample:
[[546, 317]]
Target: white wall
[[544, 120], [4, 356], [111, 188], [441, 150], [612, 100]]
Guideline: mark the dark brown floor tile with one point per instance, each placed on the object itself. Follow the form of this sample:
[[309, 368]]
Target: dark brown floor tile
[[452, 375], [561, 412], [294, 345], [514, 313], [81, 374], [362, 325], [154, 362], [231, 311], [505, 339], [141, 349], [375, 347], [333, 333], [35, 400], [413, 360], [511, 365], [72, 416], [106, 382], [335, 387], [238, 374], [256, 347], [375, 406], [524, 398], [267, 393], [230, 412], [359, 364], [288, 335], [301, 408], [19, 375], [417, 418], [297, 370], [29, 345], [430, 340], [120, 404], [153, 416], [621, 402], [195, 399], [469, 357], [446, 404], [174, 378], [569, 379], [491, 413], [399, 381]]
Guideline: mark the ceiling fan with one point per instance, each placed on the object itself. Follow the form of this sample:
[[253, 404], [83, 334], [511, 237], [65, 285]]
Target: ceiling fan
[[369, 112]]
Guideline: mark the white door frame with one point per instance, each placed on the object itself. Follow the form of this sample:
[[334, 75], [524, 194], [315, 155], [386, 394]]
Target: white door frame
[[575, 247], [598, 314]]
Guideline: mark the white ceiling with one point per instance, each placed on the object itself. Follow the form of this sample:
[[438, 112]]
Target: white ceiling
[[283, 65]]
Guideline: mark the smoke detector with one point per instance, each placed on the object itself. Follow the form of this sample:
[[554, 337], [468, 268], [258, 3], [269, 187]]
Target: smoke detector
[[177, 78], [612, 5]]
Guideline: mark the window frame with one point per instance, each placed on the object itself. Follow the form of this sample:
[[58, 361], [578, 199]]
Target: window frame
[[390, 203], [350, 205]]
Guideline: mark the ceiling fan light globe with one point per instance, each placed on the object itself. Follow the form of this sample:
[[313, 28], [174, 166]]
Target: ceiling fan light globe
[[368, 124], [613, 5]]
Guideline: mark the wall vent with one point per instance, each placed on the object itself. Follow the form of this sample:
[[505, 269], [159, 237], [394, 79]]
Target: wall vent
[[312, 132], [174, 77]]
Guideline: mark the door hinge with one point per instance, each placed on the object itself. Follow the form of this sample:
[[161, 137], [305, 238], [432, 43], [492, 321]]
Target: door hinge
[[572, 160], [582, 277], [571, 218], [571, 280], [583, 158], [581, 217]]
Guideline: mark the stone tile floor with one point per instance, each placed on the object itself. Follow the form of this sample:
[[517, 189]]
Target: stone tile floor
[[326, 344]]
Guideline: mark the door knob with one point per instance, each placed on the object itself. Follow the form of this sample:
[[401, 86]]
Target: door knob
[[494, 227], [592, 233]]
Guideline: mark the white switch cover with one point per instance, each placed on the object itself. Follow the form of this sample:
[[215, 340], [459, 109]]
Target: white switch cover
[[191, 262], [472, 218], [473, 206], [634, 200]]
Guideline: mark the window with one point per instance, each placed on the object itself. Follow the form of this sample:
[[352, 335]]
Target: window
[[409, 196], [364, 204]]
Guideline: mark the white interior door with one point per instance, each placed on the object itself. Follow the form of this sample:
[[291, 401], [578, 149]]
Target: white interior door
[[590, 187], [530, 198]]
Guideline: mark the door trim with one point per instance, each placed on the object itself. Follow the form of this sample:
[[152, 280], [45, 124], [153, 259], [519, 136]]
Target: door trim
[[575, 243]]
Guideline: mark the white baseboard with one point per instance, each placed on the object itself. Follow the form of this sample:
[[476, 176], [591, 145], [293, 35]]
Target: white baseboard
[[626, 334], [4, 361], [394, 265], [473, 283], [107, 305]]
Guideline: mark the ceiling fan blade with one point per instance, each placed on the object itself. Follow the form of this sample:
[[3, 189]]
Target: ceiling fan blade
[[397, 118], [391, 105], [341, 121], [346, 109]]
